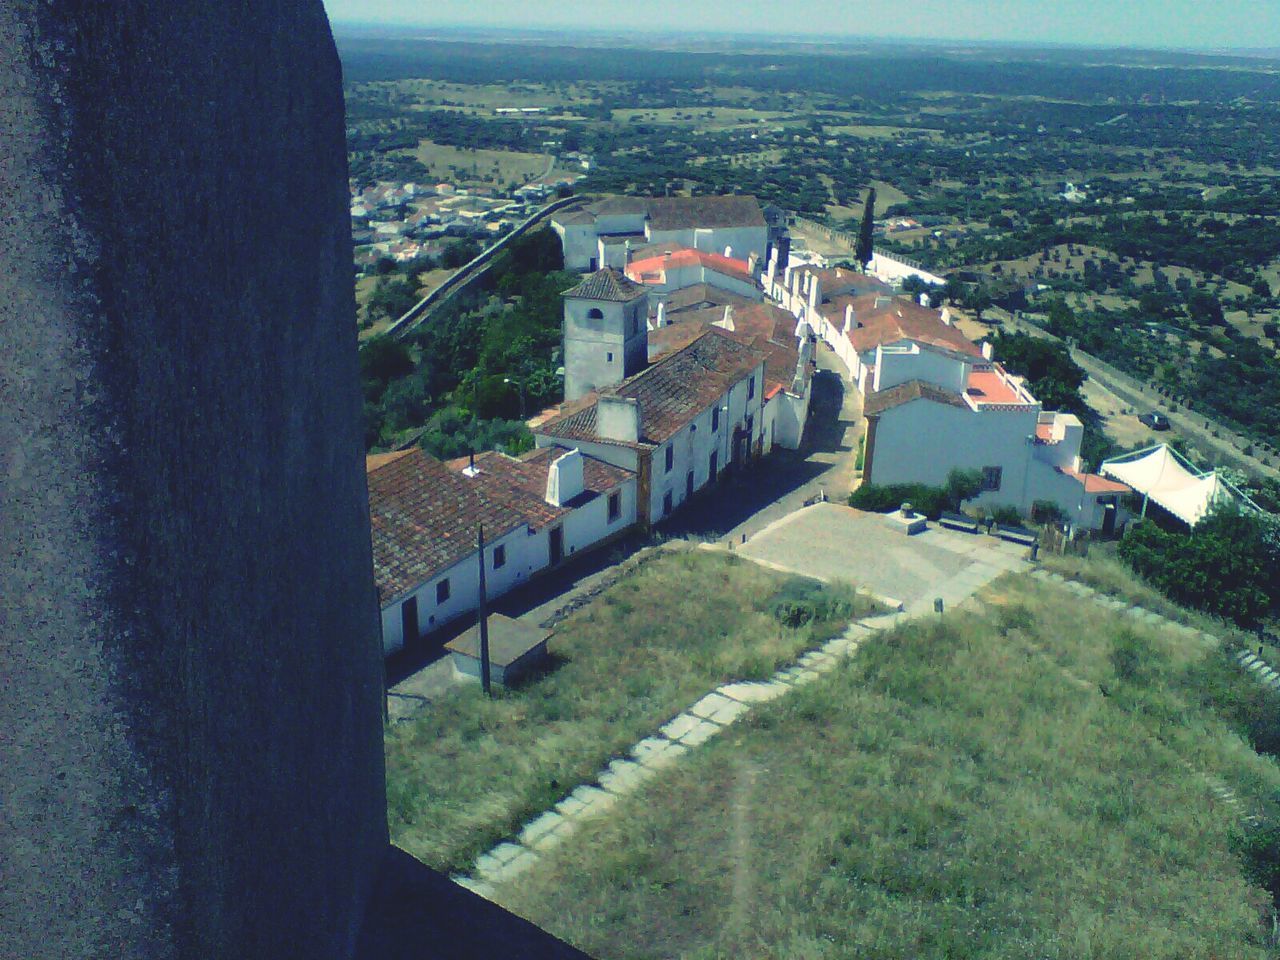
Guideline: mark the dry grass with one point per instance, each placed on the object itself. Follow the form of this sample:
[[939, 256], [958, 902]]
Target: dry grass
[[959, 789], [466, 771], [498, 167]]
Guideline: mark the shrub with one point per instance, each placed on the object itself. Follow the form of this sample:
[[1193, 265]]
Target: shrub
[[1009, 516], [931, 501]]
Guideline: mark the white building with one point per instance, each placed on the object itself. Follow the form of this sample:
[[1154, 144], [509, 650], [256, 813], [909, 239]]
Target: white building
[[537, 511], [788, 347], [677, 425], [960, 412], [681, 268], [595, 235]]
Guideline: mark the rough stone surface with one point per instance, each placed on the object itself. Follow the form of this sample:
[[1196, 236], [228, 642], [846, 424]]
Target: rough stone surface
[[192, 674], [708, 705], [754, 692], [623, 776], [677, 728], [537, 828]]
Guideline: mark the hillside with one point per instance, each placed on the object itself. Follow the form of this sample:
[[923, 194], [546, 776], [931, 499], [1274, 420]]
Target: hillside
[[1035, 777]]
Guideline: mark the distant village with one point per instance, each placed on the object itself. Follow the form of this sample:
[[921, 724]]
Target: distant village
[[405, 221], [689, 352]]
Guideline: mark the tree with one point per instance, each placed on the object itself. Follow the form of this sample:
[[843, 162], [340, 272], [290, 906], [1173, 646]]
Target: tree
[[1052, 376], [963, 485], [863, 251]]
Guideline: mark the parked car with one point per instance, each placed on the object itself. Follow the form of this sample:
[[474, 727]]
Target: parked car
[[1156, 421]]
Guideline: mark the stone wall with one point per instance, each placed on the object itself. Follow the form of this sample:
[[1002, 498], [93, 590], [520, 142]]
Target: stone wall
[[190, 722]]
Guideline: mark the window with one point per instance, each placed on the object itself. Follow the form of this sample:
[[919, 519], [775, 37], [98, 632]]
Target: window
[[666, 503], [615, 506], [442, 590], [671, 458], [751, 387], [715, 418], [609, 357], [595, 313], [499, 556], [991, 477]]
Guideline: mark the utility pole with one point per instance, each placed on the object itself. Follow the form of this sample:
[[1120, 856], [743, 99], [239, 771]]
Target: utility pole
[[485, 683]]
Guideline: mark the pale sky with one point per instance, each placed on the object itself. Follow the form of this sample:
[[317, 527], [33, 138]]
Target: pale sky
[[1134, 23]]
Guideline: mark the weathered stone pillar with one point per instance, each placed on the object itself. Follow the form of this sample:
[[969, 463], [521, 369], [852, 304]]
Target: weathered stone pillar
[[190, 716]]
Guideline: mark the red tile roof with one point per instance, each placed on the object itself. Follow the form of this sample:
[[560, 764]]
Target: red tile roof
[[901, 320], [700, 296], [1093, 483], [653, 270], [988, 386], [767, 327], [904, 393], [671, 393], [424, 519], [425, 514]]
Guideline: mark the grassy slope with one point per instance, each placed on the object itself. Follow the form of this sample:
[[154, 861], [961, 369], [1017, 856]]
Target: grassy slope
[[467, 772], [962, 789]]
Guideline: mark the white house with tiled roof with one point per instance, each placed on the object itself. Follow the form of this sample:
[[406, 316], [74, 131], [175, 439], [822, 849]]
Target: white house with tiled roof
[[934, 410], [595, 235], [677, 425], [537, 511]]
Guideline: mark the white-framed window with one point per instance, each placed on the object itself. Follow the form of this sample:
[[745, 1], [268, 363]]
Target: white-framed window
[[991, 477]]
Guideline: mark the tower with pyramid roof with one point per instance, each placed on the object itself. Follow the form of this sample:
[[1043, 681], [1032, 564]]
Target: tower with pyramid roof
[[606, 334]]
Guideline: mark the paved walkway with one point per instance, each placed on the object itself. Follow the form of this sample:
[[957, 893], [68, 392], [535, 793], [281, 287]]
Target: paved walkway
[[868, 550]]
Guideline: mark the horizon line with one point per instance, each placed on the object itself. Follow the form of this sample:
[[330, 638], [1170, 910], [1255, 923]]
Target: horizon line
[[825, 39]]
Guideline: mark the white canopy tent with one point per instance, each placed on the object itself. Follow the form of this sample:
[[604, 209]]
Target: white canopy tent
[[1163, 475]]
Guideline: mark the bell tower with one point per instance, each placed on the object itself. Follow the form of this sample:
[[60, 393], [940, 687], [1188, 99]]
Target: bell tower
[[606, 332]]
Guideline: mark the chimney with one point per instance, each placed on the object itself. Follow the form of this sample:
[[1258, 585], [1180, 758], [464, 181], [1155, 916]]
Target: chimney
[[728, 252], [883, 302], [987, 351], [564, 479], [848, 316], [773, 268], [753, 262], [662, 314], [726, 322], [618, 418], [626, 251], [946, 315], [815, 294]]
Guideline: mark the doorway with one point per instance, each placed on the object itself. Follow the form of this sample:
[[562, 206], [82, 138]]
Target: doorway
[[557, 545], [409, 621]]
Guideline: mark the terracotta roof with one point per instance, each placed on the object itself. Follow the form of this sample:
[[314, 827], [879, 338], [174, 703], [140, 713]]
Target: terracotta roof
[[684, 213], [606, 285], [653, 269], [425, 513], [424, 520], [1095, 484], [841, 280], [988, 386], [375, 460], [904, 320], [700, 296], [522, 481], [767, 327], [671, 392], [903, 393]]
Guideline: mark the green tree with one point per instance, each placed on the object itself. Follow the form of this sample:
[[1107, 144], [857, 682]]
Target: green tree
[[864, 249], [963, 485]]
